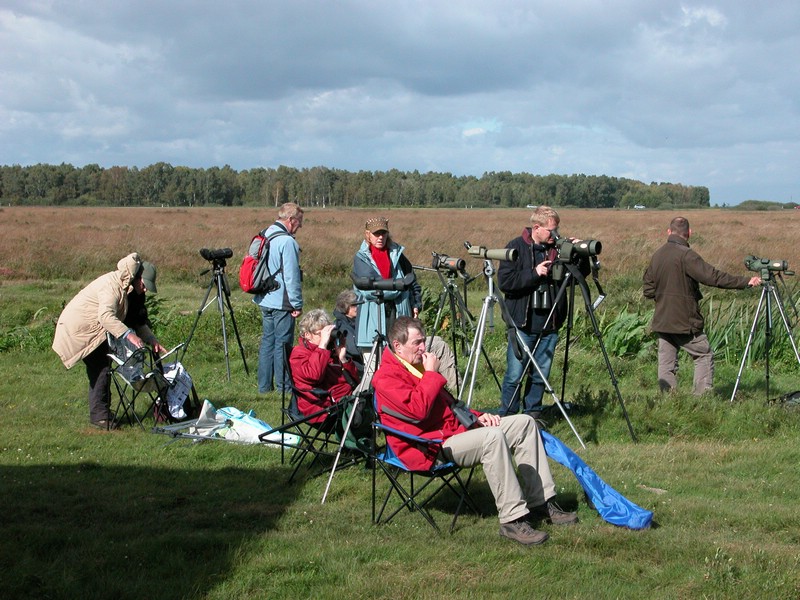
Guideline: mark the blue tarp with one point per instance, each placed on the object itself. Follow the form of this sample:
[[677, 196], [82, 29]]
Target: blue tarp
[[612, 506]]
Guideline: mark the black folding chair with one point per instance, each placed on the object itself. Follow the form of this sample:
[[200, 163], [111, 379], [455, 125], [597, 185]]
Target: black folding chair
[[422, 486], [319, 439], [137, 379]]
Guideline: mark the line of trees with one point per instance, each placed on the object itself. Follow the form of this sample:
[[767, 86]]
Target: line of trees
[[161, 184]]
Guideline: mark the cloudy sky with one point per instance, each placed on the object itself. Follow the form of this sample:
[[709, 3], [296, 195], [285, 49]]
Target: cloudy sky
[[700, 93]]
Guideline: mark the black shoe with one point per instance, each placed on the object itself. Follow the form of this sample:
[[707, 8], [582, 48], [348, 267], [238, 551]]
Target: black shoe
[[522, 532], [555, 514], [536, 415]]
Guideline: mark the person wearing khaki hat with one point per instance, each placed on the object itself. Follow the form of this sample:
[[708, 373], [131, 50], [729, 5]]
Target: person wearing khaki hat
[[111, 304], [380, 257]]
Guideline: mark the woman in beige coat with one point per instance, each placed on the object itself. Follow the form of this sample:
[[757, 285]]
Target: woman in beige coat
[[100, 308]]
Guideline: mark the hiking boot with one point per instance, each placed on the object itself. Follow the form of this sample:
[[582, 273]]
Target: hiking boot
[[108, 425], [555, 514], [522, 532]]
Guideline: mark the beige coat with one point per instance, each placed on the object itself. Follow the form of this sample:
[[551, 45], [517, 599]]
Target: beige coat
[[98, 308]]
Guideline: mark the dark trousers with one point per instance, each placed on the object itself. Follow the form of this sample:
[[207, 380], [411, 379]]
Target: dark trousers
[[98, 369]]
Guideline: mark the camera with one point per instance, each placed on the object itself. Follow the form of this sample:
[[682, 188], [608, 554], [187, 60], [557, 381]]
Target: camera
[[448, 263], [216, 255], [507, 254], [765, 266]]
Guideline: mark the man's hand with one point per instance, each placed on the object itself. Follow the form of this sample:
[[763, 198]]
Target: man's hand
[[543, 268], [430, 361], [754, 281], [158, 348], [488, 420], [296, 313]]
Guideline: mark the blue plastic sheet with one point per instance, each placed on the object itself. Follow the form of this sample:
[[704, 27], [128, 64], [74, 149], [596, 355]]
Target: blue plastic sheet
[[612, 506]]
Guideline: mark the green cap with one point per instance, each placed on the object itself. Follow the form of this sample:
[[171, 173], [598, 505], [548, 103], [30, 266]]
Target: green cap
[[149, 276]]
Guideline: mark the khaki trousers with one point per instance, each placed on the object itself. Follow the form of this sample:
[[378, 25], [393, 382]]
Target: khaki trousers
[[516, 439], [698, 347]]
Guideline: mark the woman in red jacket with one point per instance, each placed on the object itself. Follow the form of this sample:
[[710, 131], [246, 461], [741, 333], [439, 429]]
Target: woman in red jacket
[[319, 362]]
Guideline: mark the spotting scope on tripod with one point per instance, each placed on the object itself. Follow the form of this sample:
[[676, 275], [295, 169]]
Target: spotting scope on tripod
[[772, 272], [470, 372], [461, 323], [219, 283]]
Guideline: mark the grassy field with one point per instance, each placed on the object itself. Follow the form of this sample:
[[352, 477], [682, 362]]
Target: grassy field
[[129, 515]]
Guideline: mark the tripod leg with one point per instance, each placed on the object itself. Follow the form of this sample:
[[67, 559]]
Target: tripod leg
[[749, 340], [221, 307], [471, 370], [235, 329], [784, 318], [599, 335], [203, 305]]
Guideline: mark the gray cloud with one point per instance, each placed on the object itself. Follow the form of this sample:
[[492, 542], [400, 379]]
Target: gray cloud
[[702, 93]]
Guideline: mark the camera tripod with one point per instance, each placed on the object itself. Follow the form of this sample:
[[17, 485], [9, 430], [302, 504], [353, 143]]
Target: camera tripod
[[572, 276], [769, 294], [471, 369], [219, 283], [462, 322], [377, 286]]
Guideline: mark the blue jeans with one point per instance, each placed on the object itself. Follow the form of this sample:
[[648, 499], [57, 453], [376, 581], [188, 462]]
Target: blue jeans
[[534, 386], [273, 355]]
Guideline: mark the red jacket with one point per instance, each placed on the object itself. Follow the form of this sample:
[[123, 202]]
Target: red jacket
[[416, 406], [315, 367]]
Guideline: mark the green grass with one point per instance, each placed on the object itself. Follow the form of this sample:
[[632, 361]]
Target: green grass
[[89, 514]]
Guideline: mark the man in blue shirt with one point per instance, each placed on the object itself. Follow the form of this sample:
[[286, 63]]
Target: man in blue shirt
[[280, 307]]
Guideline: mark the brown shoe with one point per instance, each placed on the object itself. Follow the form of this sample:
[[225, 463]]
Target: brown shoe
[[555, 514], [522, 532], [104, 424]]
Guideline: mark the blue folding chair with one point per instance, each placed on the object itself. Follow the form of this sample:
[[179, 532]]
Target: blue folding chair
[[412, 496]]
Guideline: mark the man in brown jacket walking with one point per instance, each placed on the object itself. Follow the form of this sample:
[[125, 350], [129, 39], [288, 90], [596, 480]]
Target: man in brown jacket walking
[[673, 280]]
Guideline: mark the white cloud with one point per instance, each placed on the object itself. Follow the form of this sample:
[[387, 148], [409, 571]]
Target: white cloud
[[696, 92]]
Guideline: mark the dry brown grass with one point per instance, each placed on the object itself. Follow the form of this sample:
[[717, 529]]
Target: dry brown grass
[[53, 243]]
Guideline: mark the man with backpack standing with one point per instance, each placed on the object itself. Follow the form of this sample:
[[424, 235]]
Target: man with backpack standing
[[281, 306]]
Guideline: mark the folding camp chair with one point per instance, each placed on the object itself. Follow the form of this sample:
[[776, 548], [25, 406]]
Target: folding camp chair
[[318, 440], [136, 377], [139, 378], [416, 497]]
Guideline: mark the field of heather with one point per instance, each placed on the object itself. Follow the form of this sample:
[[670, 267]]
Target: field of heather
[[52, 243]]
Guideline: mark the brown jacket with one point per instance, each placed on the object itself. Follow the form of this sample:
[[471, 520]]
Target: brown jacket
[[673, 280], [98, 308]]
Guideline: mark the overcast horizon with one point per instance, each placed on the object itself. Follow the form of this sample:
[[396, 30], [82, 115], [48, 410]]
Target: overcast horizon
[[698, 93]]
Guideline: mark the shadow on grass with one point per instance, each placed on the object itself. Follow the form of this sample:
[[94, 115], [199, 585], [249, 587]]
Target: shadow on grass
[[89, 531]]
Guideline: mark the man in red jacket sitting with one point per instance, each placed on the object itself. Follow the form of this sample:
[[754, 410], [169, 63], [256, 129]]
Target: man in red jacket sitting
[[411, 397], [320, 362]]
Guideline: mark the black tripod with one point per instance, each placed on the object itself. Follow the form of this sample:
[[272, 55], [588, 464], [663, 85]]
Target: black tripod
[[571, 273], [769, 294], [219, 282]]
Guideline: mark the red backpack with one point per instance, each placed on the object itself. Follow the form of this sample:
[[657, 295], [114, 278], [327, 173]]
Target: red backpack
[[254, 275]]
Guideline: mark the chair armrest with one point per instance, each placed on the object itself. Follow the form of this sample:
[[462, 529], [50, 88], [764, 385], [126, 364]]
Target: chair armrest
[[406, 435]]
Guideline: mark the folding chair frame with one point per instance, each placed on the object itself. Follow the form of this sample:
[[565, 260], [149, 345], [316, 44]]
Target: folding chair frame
[[444, 475], [316, 439], [152, 384]]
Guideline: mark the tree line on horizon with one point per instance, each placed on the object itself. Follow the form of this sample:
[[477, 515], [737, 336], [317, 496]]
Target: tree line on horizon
[[162, 184]]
